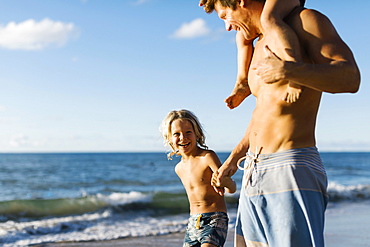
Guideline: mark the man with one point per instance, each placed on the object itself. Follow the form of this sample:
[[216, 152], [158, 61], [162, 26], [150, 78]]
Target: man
[[283, 197]]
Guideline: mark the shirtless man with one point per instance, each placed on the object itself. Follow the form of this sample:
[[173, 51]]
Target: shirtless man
[[283, 197]]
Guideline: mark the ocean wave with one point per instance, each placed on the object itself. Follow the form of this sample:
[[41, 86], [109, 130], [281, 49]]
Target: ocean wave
[[68, 206], [159, 202], [338, 192], [113, 216], [115, 199], [116, 215], [105, 225]]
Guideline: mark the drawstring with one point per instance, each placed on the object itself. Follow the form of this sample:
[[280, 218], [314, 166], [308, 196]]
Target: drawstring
[[197, 225], [251, 164]]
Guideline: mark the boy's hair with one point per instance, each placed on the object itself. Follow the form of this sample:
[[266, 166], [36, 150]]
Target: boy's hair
[[182, 115]]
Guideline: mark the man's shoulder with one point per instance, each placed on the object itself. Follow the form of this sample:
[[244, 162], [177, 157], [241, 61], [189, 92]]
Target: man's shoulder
[[303, 17], [311, 26]]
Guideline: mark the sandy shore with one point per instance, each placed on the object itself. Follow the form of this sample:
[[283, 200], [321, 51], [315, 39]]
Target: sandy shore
[[347, 224], [170, 240]]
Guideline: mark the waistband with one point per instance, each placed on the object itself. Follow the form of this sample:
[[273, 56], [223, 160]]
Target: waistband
[[289, 152], [208, 214], [310, 156]]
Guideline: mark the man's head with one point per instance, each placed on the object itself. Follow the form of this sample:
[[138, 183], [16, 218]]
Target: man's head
[[209, 5], [238, 15]]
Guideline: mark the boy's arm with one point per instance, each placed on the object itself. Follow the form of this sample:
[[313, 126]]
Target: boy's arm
[[241, 89], [229, 184], [214, 164]]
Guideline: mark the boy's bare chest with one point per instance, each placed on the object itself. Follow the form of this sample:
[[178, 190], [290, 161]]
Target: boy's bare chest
[[194, 175]]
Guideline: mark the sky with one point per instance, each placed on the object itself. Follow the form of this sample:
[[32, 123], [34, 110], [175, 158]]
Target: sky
[[100, 75]]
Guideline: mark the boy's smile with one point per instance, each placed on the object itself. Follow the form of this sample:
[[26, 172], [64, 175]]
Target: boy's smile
[[184, 145], [183, 136]]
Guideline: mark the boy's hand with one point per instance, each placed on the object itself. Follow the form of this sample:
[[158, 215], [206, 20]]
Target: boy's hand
[[219, 190]]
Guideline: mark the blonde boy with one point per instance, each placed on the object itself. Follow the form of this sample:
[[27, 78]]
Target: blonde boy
[[208, 222]]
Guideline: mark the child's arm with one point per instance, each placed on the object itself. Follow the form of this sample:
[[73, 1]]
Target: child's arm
[[241, 89], [277, 31], [282, 37], [245, 52]]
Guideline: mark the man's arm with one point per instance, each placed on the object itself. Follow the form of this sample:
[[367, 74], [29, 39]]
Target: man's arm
[[333, 68], [227, 182], [229, 167]]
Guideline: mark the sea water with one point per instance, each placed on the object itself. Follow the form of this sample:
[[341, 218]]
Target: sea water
[[103, 196]]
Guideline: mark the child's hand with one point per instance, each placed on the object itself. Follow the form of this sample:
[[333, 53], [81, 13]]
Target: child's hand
[[219, 190]]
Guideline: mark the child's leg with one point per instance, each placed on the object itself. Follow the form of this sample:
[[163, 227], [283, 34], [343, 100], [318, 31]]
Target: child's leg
[[282, 37], [241, 89], [273, 25]]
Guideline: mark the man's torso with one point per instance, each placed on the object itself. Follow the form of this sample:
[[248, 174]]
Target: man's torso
[[277, 125]]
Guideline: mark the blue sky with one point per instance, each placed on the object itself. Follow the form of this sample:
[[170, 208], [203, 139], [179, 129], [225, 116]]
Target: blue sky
[[94, 75]]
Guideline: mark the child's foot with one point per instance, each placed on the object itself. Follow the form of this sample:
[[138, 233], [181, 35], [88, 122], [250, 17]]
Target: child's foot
[[293, 92], [239, 93]]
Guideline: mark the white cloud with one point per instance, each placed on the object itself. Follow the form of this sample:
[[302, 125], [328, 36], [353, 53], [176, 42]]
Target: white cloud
[[193, 29], [22, 141], [19, 140], [32, 35]]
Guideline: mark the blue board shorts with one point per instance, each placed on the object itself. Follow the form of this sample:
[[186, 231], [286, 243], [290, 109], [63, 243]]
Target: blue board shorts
[[282, 200], [206, 228]]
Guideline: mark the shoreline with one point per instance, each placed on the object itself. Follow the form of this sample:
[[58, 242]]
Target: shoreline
[[347, 224]]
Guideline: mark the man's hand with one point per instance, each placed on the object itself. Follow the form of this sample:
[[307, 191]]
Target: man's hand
[[272, 68], [216, 183], [217, 177]]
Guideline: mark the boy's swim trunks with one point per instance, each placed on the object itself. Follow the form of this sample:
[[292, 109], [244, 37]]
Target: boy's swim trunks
[[206, 228]]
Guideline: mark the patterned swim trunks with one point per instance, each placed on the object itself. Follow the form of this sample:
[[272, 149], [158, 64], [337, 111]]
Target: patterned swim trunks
[[206, 228]]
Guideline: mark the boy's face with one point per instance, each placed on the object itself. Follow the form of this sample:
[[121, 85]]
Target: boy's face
[[183, 137]]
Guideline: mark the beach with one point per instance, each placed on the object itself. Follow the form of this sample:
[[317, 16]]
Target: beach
[[136, 199], [347, 224]]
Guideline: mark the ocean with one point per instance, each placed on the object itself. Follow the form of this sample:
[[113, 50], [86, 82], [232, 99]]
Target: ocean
[[103, 196]]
